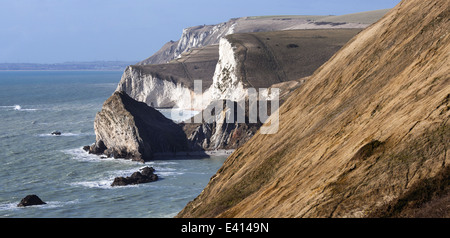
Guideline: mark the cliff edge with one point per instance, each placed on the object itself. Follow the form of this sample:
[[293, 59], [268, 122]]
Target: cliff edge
[[367, 135]]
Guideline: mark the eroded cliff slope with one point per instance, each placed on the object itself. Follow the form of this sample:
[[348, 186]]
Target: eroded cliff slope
[[369, 131]]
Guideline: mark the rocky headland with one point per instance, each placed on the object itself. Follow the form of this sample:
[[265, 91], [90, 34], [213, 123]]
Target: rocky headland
[[228, 58]]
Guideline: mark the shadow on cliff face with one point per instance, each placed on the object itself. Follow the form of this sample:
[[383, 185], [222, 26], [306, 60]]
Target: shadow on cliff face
[[126, 128], [225, 124]]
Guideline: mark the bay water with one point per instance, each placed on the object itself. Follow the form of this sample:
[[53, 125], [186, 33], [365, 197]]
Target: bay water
[[73, 183]]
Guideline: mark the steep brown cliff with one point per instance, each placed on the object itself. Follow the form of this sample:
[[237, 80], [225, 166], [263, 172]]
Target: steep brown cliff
[[367, 135]]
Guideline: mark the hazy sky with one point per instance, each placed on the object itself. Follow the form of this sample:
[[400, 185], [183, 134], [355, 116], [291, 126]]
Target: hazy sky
[[52, 31]]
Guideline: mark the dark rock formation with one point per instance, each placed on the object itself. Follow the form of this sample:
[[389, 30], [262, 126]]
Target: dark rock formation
[[30, 200], [129, 129], [224, 132], [145, 175], [56, 133], [97, 148]]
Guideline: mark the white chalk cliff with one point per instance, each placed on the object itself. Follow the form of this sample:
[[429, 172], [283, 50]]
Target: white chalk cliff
[[157, 92], [198, 36]]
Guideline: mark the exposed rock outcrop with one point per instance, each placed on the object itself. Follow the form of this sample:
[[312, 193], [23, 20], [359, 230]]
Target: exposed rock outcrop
[[369, 130], [125, 128], [222, 131], [30, 200], [145, 175]]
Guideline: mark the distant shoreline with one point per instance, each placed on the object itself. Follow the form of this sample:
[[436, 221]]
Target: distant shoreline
[[99, 70], [68, 66]]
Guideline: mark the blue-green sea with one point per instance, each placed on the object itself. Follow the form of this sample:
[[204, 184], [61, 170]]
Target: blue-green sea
[[73, 183]]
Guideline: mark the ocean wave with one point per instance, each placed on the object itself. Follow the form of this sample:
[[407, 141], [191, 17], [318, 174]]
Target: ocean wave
[[8, 206], [160, 163], [53, 204], [105, 184], [168, 173], [67, 134], [17, 108], [50, 204], [80, 154]]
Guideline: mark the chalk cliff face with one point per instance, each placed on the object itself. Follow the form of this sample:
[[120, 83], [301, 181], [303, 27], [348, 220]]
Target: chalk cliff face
[[226, 81], [366, 135], [125, 128], [172, 84], [156, 91]]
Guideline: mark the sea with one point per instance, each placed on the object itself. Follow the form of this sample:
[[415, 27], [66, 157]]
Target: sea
[[73, 183]]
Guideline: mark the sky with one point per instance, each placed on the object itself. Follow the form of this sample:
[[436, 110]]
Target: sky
[[56, 31]]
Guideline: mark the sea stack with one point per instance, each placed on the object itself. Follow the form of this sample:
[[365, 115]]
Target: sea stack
[[126, 128]]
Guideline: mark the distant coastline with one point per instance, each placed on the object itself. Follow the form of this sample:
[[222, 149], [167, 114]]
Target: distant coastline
[[93, 66]]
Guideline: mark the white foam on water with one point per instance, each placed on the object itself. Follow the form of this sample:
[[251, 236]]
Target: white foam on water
[[67, 134], [80, 154], [17, 108], [160, 163], [104, 183], [168, 173], [50, 204], [55, 204], [9, 206]]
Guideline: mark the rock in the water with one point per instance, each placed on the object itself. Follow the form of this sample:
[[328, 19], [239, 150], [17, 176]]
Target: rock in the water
[[145, 175], [30, 200], [56, 133], [97, 148], [126, 128], [86, 148]]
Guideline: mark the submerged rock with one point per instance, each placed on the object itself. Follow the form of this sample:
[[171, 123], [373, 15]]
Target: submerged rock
[[30, 200], [145, 175]]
